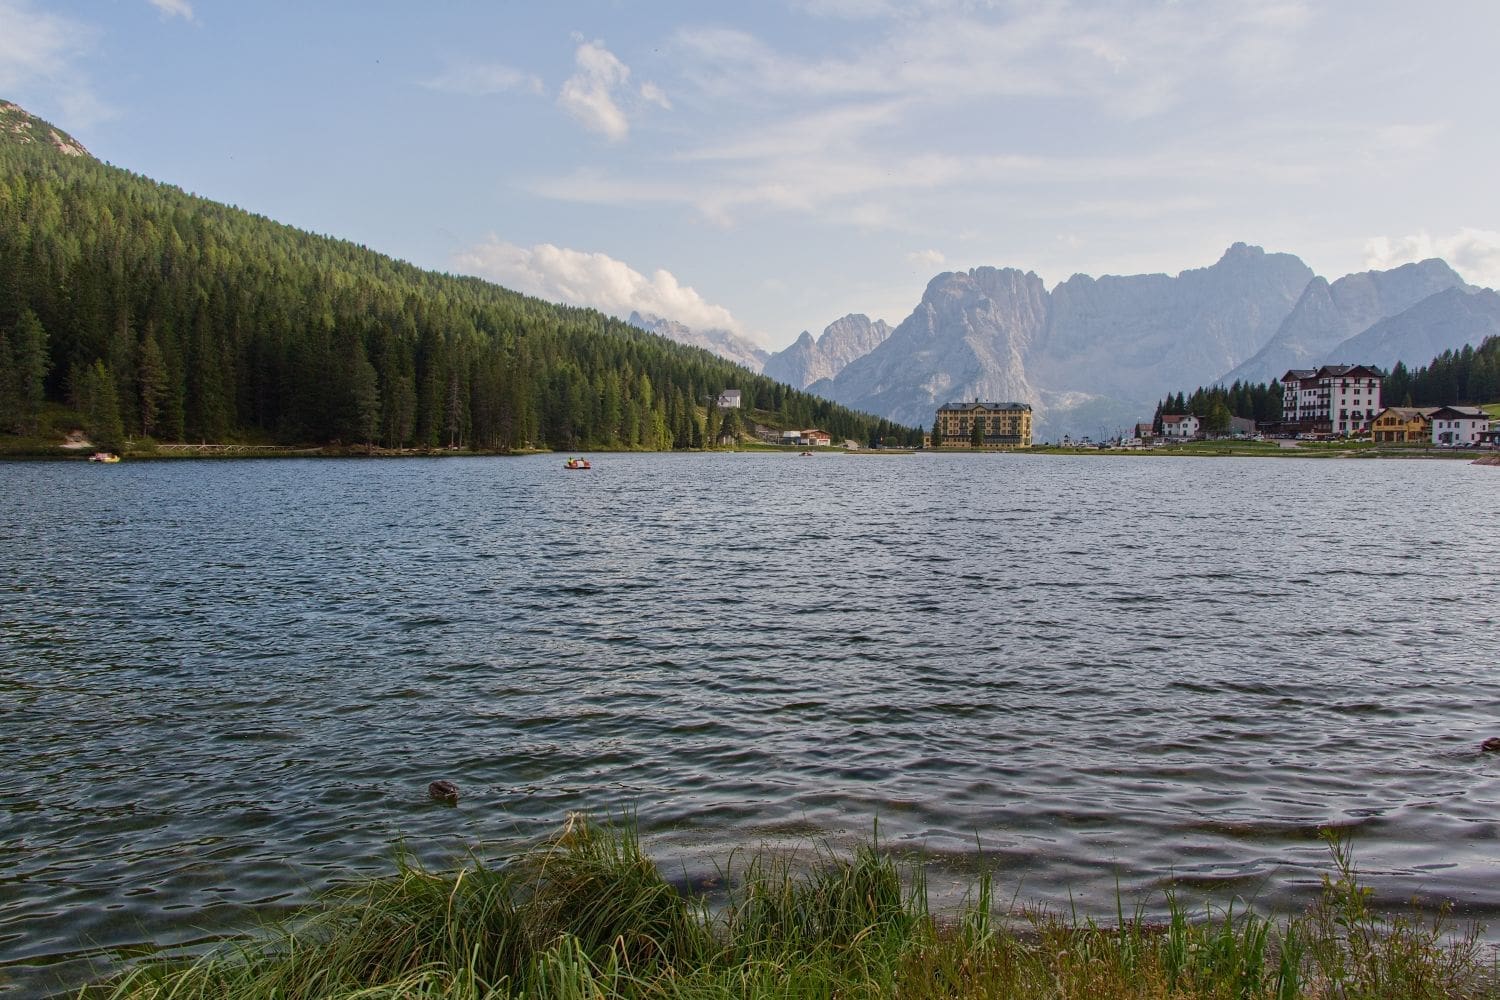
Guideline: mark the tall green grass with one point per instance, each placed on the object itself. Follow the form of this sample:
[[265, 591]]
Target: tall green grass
[[587, 916]]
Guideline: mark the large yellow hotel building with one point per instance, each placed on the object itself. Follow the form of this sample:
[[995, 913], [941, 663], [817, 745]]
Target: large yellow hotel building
[[1004, 425]]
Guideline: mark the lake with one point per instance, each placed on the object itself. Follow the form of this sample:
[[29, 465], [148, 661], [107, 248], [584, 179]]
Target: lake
[[226, 685]]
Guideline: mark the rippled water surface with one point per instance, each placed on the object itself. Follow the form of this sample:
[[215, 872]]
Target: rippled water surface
[[226, 685]]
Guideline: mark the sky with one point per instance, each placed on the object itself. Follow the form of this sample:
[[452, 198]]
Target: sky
[[769, 167]]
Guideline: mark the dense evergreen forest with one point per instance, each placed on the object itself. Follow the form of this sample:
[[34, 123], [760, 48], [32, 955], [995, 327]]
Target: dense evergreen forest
[[1467, 377], [158, 315]]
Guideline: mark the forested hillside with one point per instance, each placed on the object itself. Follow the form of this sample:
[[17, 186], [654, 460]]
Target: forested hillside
[[160, 315]]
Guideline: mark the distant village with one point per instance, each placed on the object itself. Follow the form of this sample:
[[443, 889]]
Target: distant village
[[1341, 402], [1334, 402]]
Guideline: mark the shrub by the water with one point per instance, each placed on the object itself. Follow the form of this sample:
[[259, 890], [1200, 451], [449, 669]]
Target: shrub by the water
[[588, 915]]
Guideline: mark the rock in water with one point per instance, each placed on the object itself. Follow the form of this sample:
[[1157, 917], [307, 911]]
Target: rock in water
[[444, 791]]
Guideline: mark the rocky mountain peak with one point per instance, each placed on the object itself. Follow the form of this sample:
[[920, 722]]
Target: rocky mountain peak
[[807, 361], [1241, 251]]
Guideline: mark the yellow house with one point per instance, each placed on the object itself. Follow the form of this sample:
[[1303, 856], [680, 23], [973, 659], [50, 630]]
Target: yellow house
[[1403, 425], [1002, 425]]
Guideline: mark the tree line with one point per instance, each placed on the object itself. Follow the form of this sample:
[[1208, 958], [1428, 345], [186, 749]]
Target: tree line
[[1465, 377], [156, 314]]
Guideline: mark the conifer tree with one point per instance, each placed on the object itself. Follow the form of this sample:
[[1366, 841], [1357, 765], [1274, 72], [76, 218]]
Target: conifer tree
[[29, 366], [151, 381], [10, 403], [96, 399], [730, 426], [365, 386], [711, 431], [400, 411], [1217, 419]]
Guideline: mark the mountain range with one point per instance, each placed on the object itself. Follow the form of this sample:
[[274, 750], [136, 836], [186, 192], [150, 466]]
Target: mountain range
[[1093, 355], [724, 343]]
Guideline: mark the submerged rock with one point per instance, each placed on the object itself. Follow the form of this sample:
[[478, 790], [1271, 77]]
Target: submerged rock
[[443, 791], [1491, 745]]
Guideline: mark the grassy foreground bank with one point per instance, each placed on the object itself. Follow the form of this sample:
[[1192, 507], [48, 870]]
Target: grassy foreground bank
[[587, 915]]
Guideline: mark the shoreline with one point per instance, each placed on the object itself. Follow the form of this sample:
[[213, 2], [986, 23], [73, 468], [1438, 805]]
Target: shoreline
[[33, 450], [587, 913]]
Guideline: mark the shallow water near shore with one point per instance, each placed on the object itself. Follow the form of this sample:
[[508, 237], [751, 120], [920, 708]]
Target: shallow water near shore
[[226, 685]]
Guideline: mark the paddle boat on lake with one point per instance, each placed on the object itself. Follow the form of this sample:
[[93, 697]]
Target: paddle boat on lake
[[577, 463]]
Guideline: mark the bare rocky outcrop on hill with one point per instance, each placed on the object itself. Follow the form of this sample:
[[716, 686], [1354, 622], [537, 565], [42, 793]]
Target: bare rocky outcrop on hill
[[21, 126]]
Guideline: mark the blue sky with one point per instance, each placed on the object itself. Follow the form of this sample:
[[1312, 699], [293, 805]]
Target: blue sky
[[770, 167]]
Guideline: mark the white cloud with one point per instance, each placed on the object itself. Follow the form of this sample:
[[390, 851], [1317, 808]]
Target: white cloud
[[595, 280], [174, 8], [927, 259], [40, 55], [483, 79], [878, 191], [651, 92], [1473, 253], [589, 94], [1133, 60]]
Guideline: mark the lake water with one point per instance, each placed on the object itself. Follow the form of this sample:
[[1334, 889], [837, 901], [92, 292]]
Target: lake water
[[226, 685]]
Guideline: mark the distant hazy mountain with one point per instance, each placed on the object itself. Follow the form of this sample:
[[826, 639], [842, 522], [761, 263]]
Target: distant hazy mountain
[[967, 338], [721, 342], [1445, 321], [1092, 352], [1125, 337], [807, 361], [1329, 314]]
